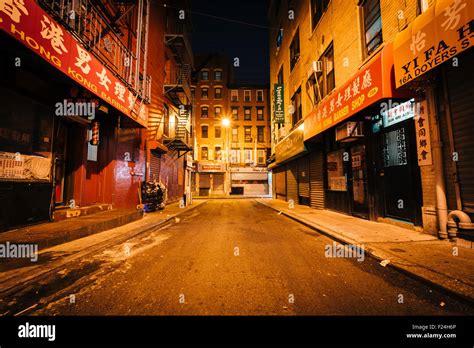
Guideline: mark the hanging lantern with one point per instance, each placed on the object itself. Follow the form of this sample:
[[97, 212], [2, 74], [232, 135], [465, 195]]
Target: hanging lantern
[[95, 125]]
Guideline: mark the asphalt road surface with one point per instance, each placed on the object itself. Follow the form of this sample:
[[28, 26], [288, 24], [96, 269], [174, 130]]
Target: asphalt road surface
[[238, 257]]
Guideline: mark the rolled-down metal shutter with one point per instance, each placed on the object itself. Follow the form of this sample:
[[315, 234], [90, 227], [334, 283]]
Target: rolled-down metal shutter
[[316, 178], [218, 182], [204, 180], [303, 180], [280, 182], [462, 112], [292, 182], [154, 166]]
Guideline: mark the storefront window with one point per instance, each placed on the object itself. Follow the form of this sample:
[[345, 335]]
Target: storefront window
[[335, 171]]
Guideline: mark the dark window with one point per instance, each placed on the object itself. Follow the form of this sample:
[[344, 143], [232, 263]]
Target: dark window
[[295, 50], [218, 93], [260, 114], [318, 7], [296, 102], [260, 134], [235, 113], [205, 75], [248, 134], [204, 131], [217, 131], [279, 38], [247, 95], [328, 60], [260, 96], [325, 79], [372, 25], [204, 112], [248, 114], [218, 75], [193, 92], [280, 75], [166, 121], [234, 95], [204, 153]]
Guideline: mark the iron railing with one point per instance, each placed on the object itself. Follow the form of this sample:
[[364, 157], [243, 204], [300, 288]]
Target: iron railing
[[93, 29]]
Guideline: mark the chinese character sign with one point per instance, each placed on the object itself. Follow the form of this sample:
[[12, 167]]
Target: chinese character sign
[[278, 103], [423, 140], [28, 23]]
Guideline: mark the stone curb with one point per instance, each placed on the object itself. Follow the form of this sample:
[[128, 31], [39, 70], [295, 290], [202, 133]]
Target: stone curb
[[14, 285], [437, 280]]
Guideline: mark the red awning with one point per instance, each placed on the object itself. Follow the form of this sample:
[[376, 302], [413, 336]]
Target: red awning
[[373, 82], [443, 31]]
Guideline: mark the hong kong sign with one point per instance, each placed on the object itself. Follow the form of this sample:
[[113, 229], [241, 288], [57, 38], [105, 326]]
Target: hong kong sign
[[372, 83], [28, 23], [278, 103], [437, 35]]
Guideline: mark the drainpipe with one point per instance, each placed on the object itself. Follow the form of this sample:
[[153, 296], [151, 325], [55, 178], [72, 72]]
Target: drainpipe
[[441, 202], [458, 218]]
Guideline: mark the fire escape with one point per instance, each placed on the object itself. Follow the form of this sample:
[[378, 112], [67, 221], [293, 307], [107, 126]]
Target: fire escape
[[177, 84], [116, 33]]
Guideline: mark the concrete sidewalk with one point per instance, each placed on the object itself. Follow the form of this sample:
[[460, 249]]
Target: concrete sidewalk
[[417, 254], [16, 274]]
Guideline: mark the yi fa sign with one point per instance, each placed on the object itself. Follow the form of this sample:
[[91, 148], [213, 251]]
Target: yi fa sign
[[33, 27], [278, 100], [439, 34]]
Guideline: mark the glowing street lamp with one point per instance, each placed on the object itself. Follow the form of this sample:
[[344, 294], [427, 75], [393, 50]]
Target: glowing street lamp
[[225, 122]]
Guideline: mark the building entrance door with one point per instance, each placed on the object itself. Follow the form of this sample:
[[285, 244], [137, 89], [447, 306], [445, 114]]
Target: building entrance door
[[358, 179], [399, 178]]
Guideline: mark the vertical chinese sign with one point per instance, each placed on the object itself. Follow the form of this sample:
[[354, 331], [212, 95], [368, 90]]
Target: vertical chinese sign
[[423, 140], [278, 106], [28, 23]]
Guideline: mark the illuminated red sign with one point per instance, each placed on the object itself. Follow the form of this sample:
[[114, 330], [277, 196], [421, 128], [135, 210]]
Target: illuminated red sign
[[373, 82], [33, 27]]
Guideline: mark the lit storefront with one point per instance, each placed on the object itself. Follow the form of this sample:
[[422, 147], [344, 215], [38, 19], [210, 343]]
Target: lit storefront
[[249, 181], [367, 133], [211, 178], [433, 56], [53, 154]]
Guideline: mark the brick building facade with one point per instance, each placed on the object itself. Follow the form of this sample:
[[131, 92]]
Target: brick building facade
[[349, 141], [232, 131]]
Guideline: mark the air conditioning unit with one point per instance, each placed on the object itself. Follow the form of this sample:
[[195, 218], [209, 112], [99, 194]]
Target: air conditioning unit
[[315, 67], [349, 131]]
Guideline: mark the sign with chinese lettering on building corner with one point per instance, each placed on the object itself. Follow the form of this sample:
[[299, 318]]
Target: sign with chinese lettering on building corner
[[423, 140], [28, 23], [278, 103], [369, 85], [443, 31]]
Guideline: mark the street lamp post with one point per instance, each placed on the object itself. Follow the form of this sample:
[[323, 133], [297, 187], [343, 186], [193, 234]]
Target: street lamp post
[[226, 124]]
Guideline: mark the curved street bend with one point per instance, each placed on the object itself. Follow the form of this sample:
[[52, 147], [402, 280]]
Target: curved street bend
[[237, 257]]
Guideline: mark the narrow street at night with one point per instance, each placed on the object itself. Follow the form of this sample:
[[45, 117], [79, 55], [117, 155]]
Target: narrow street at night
[[268, 171], [238, 257]]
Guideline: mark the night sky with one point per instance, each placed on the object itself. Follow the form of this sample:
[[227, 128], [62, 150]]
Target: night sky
[[249, 43]]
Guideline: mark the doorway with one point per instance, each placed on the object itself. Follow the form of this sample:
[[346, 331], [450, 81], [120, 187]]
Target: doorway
[[398, 172], [359, 182]]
